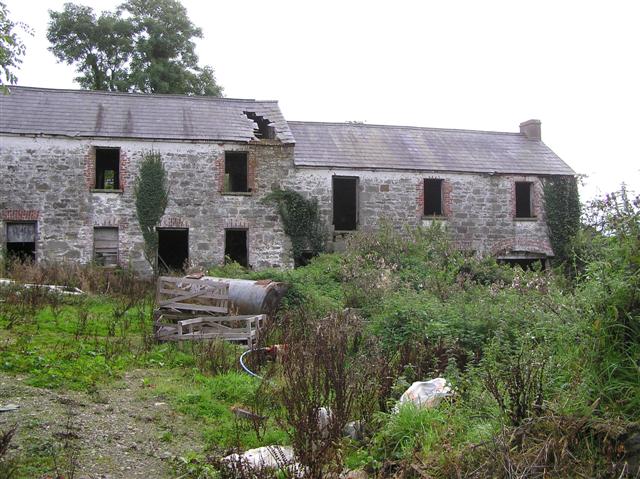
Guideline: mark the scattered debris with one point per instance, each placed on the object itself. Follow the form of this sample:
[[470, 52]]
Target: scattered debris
[[325, 416], [354, 430], [425, 394], [9, 407], [53, 287], [247, 414], [355, 474], [268, 457]]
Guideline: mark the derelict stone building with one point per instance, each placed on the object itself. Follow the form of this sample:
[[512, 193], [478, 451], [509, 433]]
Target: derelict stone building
[[69, 159]]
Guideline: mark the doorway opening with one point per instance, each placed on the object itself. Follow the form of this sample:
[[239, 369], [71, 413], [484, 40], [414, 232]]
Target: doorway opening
[[527, 264], [21, 241], [345, 203], [173, 249], [235, 246]]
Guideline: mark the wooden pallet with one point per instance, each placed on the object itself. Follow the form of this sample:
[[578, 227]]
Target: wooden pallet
[[197, 309], [182, 295], [239, 329]]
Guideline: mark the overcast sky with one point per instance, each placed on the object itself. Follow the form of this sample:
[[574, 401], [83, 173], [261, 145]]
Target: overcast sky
[[486, 65]]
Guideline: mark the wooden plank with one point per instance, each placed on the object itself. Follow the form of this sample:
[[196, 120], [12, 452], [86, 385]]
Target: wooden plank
[[21, 232], [181, 298], [243, 317], [196, 307], [204, 293]]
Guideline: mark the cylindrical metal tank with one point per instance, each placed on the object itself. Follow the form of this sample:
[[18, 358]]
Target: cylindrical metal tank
[[254, 297]]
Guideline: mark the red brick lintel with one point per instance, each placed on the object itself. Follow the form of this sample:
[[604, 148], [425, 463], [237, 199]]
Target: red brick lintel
[[20, 215]]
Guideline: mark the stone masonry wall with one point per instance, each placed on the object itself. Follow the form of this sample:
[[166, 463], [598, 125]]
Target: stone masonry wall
[[479, 209], [51, 180]]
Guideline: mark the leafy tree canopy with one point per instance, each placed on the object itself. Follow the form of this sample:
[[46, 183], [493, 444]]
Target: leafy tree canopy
[[143, 46], [11, 47]]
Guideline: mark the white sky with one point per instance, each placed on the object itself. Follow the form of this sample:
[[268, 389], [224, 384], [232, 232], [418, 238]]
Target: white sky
[[472, 64]]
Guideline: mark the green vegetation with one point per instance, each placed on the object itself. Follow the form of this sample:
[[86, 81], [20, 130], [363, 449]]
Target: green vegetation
[[143, 46], [544, 369], [11, 48], [302, 223], [152, 195], [562, 210]]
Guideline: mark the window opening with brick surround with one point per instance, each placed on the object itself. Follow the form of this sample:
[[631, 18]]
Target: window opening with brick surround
[[235, 246], [432, 197], [107, 172], [105, 246], [236, 172], [524, 199], [21, 240]]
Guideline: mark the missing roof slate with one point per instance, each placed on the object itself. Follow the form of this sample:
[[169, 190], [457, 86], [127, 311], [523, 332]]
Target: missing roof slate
[[264, 130]]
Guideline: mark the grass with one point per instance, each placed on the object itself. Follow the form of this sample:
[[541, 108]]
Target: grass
[[208, 399], [88, 344]]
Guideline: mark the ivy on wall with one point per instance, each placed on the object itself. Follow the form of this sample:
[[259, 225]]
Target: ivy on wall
[[301, 220], [562, 209], [152, 194]]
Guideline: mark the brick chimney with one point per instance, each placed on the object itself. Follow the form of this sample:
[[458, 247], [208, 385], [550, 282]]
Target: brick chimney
[[531, 129]]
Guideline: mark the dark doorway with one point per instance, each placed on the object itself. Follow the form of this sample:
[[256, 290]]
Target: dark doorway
[[235, 246], [527, 264], [21, 241], [173, 249], [345, 203]]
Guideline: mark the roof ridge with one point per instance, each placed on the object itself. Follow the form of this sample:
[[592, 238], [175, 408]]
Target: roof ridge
[[404, 127], [140, 94]]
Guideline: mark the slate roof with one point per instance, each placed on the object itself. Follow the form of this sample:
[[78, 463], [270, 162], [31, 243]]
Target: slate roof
[[349, 145], [79, 113]]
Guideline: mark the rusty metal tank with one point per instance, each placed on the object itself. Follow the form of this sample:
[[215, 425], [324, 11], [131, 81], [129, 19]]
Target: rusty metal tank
[[254, 297]]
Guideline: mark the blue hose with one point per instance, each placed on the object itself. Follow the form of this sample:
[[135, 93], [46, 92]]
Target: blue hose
[[244, 366]]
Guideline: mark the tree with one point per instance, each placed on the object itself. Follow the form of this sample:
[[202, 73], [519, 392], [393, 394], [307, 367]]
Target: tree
[[11, 47], [101, 46], [152, 195], [164, 59], [144, 46]]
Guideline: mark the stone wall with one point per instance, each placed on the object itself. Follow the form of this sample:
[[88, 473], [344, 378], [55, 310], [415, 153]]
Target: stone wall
[[479, 209], [51, 180]]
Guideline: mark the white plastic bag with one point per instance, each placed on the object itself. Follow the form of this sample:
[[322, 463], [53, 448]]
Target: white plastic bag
[[268, 457], [425, 394]]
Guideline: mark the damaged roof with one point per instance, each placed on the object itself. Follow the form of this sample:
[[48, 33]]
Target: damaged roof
[[356, 145], [83, 113]]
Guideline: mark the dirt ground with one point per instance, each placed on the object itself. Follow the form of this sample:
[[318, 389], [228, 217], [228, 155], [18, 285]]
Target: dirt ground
[[122, 431]]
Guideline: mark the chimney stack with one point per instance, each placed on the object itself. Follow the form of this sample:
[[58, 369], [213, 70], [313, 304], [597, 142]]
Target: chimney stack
[[531, 129]]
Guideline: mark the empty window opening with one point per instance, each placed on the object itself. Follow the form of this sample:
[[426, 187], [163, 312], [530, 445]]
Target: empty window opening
[[345, 203], [107, 168], [264, 128], [105, 246], [527, 264], [524, 207], [432, 197], [21, 241], [173, 249], [235, 172], [235, 246]]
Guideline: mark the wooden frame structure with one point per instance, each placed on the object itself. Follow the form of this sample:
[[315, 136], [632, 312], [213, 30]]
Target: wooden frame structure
[[198, 309]]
